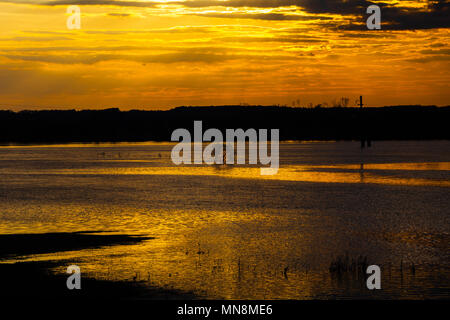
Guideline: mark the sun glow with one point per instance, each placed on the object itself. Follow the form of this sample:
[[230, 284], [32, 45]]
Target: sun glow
[[161, 54]]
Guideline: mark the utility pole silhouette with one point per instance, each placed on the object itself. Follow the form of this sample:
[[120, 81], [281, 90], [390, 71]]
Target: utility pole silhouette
[[363, 141], [363, 124]]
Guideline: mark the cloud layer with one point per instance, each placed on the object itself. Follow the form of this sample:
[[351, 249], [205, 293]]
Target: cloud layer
[[136, 54]]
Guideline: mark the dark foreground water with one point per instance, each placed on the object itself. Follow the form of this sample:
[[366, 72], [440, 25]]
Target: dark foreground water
[[227, 232]]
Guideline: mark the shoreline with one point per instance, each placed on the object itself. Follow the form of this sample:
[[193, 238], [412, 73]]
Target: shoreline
[[36, 278]]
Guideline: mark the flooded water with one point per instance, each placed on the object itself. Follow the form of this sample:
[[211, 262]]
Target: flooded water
[[228, 232]]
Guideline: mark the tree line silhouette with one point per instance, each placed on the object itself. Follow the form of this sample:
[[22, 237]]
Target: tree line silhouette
[[113, 125]]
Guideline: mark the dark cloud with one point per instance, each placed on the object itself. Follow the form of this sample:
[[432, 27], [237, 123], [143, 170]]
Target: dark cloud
[[182, 55], [121, 15], [284, 39], [239, 3], [44, 39], [263, 16], [376, 35], [430, 58], [95, 58], [394, 16], [119, 3], [437, 15], [439, 51]]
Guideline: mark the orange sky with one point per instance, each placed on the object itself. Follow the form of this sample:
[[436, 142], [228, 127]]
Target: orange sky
[[161, 54]]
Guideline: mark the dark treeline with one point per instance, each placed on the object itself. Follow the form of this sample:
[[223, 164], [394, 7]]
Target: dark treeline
[[386, 123]]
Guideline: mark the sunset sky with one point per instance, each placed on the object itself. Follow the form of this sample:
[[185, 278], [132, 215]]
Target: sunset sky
[[162, 54]]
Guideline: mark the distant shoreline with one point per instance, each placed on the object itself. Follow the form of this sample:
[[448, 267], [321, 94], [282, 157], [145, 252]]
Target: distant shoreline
[[295, 124], [93, 144]]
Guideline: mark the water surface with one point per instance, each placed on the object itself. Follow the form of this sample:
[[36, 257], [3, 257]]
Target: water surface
[[228, 232]]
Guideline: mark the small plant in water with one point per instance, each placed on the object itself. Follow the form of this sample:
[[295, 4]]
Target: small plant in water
[[342, 264]]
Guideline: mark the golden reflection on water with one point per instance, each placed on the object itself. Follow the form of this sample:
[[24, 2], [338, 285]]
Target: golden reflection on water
[[441, 166], [202, 249], [200, 252], [232, 253], [353, 173]]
